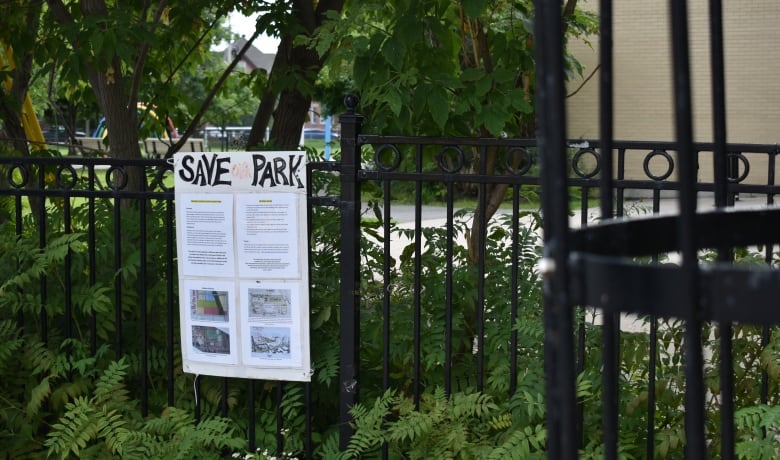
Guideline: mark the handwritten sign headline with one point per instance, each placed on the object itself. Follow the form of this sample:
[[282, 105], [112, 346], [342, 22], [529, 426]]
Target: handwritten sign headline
[[277, 171]]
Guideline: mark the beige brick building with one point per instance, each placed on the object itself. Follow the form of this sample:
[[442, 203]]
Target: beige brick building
[[643, 79]]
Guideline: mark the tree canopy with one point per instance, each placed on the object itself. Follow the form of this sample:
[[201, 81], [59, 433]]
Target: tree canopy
[[427, 67]]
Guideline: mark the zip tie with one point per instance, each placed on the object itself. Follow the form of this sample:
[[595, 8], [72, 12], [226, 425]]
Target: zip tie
[[195, 388]]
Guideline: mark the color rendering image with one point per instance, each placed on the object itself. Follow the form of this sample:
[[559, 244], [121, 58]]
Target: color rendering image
[[206, 305]]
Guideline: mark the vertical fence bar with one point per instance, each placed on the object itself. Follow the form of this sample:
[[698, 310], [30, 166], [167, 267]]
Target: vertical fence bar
[[581, 333], [417, 306], [386, 284], [307, 442], [558, 340], [621, 175], [611, 327], [223, 402], [721, 189], [515, 278], [92, 256], [279, 419], [42, 244], [480, 261], [252, 416], [448, 291], [68, 258], [117, 267], [144, 352], [171, 302], [349, 328], [652, 358], [18, 234], [606, 108], [768, 256], [694, 384]]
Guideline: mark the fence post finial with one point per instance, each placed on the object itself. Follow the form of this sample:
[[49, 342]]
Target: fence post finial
[[351, 102]]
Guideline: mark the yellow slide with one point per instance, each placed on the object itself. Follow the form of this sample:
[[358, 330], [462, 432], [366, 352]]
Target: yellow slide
[[29, 120]]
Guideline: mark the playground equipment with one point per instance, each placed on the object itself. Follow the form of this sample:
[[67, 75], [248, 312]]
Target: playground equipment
[[32, 128], [167, 132]]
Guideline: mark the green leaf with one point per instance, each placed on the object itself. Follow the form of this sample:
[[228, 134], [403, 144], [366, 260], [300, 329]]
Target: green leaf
[[439, 106], [473, 8], [395, 53], [360, 70], [393, 98], [493, 118]]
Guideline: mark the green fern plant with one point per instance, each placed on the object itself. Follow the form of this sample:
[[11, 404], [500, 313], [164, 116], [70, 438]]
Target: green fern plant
[[462, 425], [758, 432], [108, 425]]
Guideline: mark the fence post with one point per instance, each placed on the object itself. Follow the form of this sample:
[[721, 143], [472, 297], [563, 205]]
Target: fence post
[[560, 395], [349, 327]]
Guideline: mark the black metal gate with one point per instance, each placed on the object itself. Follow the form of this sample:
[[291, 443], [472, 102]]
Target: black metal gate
[[599, 267]]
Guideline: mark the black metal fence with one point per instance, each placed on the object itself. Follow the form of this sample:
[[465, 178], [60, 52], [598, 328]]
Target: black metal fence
[[456, 320], [52, 197]]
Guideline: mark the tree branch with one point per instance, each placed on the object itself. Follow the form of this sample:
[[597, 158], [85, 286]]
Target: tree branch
[[142, 54], [584, 82], [210, 96]]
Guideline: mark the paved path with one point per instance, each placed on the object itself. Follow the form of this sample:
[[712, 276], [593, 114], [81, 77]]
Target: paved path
[[436, 216]]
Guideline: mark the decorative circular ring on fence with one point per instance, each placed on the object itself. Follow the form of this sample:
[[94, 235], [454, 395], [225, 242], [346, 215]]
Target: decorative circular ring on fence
[[387, 157], [575, 163], [24, 175], [523, 158], [745, 167], [669, 165], [66, 177], [450, 159], [159, 179], [111, 172]]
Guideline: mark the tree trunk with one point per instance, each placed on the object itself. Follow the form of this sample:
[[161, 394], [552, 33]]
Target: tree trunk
[[261, 120], [121, 123], [291, 63], [113, 93], [289, 117]]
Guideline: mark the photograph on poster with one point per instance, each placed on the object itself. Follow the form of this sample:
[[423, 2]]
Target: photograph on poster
[[270, 304], [270, 342], [209, 305], [209, 339]]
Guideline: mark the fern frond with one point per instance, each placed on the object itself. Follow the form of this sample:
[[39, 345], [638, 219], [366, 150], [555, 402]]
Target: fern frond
[[525, 443], [326, 365], [10, 341], [38, 357], [472, 405], [38, 395], [171, 421], [501, 422], [110, 388], [112, 428], [370, 433], [75, 429], [412, 426]]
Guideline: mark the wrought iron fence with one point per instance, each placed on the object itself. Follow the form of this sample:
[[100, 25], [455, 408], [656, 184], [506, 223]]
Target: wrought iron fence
[[124, 227], [428, 313]]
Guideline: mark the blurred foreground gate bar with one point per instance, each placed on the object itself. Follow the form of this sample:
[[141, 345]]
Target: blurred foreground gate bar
[[596, 266]]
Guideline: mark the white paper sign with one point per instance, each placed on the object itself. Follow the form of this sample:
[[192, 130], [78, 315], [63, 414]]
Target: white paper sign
[[206, 224], [267, 235], [243, 288]]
